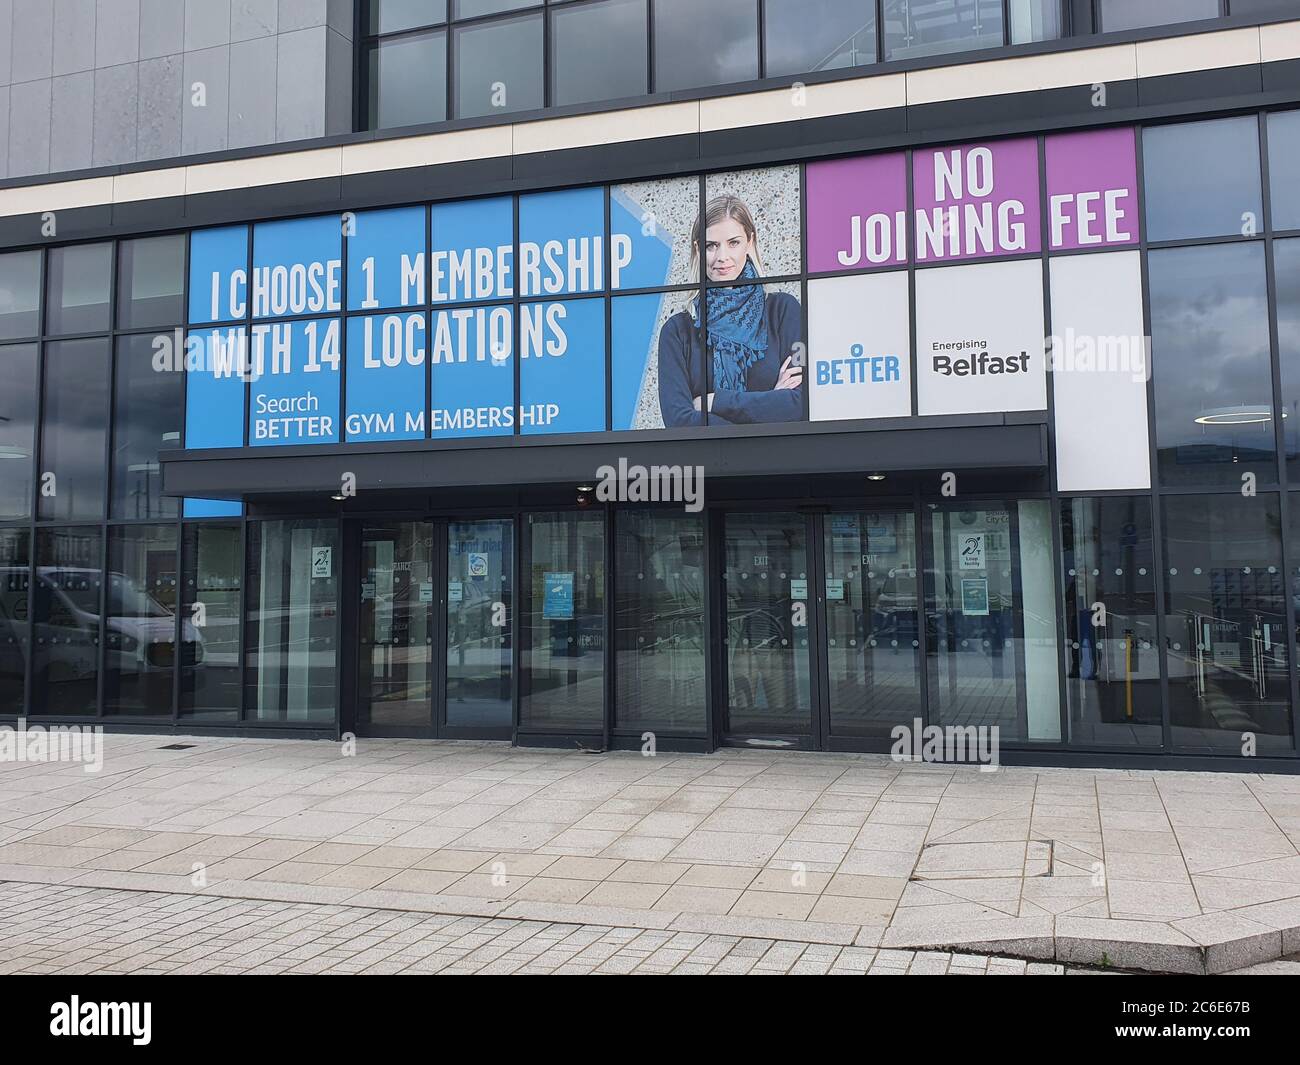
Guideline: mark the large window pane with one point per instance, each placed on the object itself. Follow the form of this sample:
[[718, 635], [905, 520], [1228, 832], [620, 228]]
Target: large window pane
[[659, 609], [1286, 271], [1112, 668], [1202, 179], [1210, 361], [1035, 20], [15, 603], [562, 659], [389, 16], [146, 420], [212, 570], [65, 622], [1225, 623], [705, 44], [20, 294], [462, 9], [873, 638], [599, 51], [18, 386], [1261, 7], [395, 626], [140, 620], [1284, 169], [408, 80], [291, 622], [78, 289], [915, 28], [802, 36], [498, 66], [151, 282], [75, 429], [1136, 14], [480, 617]]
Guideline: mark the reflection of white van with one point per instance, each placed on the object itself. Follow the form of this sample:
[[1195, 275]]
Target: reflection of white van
[[139, 631]]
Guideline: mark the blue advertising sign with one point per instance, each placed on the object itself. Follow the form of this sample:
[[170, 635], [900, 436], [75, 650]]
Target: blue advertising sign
[[297, 267], [294, 395], [218, 274], [472, 256], [561, 242], [472, 372], [386, 258], [562, 372], [215, 362], [557, 596], [386, 357]]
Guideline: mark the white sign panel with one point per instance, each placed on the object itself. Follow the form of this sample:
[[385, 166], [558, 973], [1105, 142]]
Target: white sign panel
[[859, 346], [970, 550], [980, 343], [322, 561], [1099, 370]]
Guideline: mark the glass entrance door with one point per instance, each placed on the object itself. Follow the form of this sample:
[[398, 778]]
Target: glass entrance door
[[767, 643], [435, 624]]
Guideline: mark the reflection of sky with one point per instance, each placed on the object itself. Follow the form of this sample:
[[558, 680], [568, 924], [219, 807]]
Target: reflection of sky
[[1209, 325], [74, 430], [1286, 262]]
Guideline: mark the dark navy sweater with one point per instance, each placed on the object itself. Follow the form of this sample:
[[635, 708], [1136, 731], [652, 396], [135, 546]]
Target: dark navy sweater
[[684, 372]]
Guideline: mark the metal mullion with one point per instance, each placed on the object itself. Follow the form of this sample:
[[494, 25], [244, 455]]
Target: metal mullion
[[816, 630], [919, 529], [609, 652], [516, 309]]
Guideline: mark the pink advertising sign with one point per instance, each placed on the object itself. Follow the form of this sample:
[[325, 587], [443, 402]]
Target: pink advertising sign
[[1092, 189], [857, 213], [976, 200]]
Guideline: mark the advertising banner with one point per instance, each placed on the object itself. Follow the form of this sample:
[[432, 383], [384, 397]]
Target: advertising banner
[[386, 360], [857, 213], [1092, 189], [218, 274], [980, 344], [859, 346], [294, 389], [386, 266]]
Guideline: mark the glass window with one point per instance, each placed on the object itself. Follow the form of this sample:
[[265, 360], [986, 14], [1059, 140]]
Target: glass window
[[1035, 20], [1112, 669], [79, 282], [915, 28], [704, 44], [1261, 7], [146, 420], [659, 604], [65, 622], [466, 9], [212, 568], [74, 431], [20, 294], [873, 642], [1202, 179], [562, 657], [396, 626], [291, 621], [151, 282], [140, 620], [498, 66], [1286, 271], [803, 36], [408, 80], [599, 51], [389, 16], [15, 599], [1210, 362], [18, 386], [1137, 14], [1225, 623], [480, 613], [1284, 169]]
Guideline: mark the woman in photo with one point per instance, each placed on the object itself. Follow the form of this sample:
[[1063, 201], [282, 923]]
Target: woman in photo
[[739, 364]]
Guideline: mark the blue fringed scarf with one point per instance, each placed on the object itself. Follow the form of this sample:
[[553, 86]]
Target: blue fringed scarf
[[737, 329]]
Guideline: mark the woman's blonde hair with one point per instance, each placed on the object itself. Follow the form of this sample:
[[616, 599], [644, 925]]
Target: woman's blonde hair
[[718, 208]]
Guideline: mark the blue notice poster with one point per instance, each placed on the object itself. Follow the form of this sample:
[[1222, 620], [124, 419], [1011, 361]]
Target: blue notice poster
[[472, 254], [386, 359], [557, 596], [218, 274], [386, 258], [294, 392], [472, 372], [562, 372], [297, 267]]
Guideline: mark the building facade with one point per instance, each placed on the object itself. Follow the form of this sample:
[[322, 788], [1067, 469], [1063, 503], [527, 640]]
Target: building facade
[[640, 371]]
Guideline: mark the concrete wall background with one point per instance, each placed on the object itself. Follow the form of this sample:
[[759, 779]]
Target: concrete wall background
[[87, 83]]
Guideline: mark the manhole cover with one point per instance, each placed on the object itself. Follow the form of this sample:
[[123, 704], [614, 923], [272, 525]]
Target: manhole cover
[[177, 746]]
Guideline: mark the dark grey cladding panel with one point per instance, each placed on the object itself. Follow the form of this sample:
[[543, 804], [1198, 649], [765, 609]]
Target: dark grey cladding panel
[[228, 474]]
